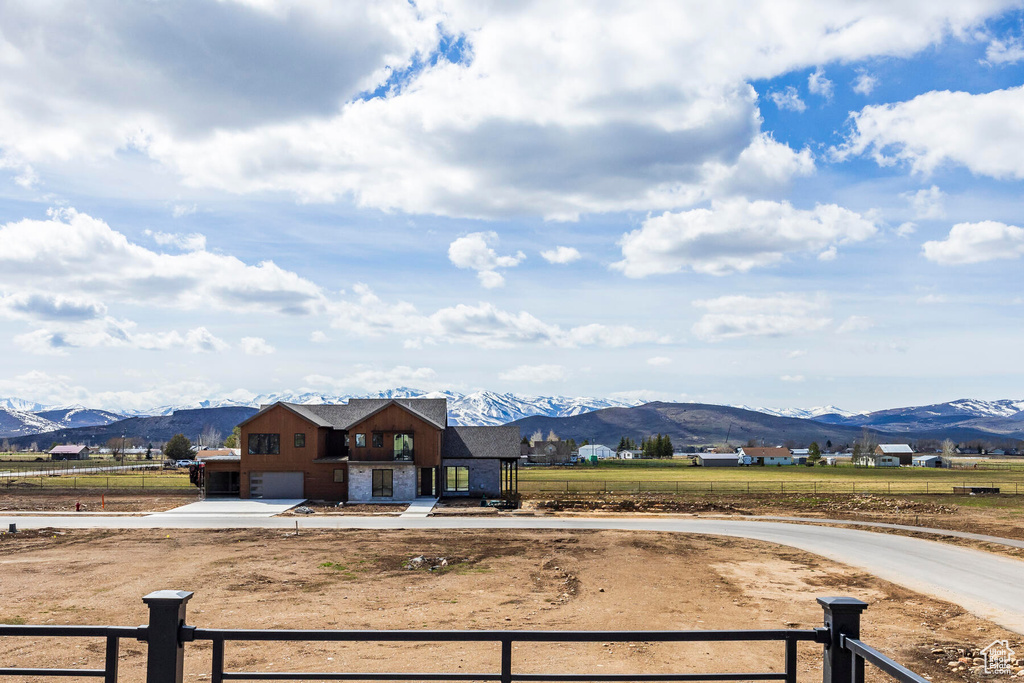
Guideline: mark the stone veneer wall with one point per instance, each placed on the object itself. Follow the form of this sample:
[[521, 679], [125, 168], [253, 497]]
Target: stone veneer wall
[[484, 476], [360, 482]]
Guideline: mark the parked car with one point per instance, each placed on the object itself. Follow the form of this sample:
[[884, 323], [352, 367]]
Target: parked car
[[185, 463]]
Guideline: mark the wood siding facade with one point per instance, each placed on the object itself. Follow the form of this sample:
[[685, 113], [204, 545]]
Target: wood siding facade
[[319, 477], [390, 421]]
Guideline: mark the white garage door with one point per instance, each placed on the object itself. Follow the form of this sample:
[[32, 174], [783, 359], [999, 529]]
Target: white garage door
[[276, 485]]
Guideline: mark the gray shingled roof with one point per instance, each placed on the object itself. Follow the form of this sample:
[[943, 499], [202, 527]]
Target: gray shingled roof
[[481, 442], [344, 415]]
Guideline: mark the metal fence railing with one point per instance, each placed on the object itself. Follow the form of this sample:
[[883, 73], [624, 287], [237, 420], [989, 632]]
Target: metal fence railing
[[168, 633], [583, 486]]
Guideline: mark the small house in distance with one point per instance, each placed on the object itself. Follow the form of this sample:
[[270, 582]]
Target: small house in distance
[[718, 459], [931, 460], [591, 451], [69, 453], [881, 461], [901, 451], [766, 455]]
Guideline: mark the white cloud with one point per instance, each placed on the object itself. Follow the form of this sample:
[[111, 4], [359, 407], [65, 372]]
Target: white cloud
[[561, 255], [110, 333], [736, 236], [787, 99], [906, 229], [929, 203], [864, 83], [364, 377], [829, 254], [318, 337], [482, 325], [982, 132], [1009, 51], [514, 128], [659, 361], [735, 316], [191, 242], [474, 251], [817, 84], [182, 210], [976, 243], [256, 346], [792, 378], [74, 252], [855, 323], [535, 374]]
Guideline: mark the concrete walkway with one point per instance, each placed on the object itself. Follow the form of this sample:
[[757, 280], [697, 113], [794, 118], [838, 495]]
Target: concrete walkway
[[256, 507], [420, 507]]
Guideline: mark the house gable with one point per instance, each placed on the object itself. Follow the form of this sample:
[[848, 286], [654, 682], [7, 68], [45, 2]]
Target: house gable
[[387, 421]]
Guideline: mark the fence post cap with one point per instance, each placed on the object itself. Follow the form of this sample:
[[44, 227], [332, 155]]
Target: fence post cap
[[166, 596], [844, 604]]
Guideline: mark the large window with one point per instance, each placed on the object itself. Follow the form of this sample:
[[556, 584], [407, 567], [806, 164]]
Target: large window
[[456, 479], [383, 484], [264, 444], [339, 476], [403, 446], [360, 440], [378, 440], [300, 439]]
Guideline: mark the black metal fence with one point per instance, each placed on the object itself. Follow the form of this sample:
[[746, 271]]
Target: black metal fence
[[739, 486], [168, 633]]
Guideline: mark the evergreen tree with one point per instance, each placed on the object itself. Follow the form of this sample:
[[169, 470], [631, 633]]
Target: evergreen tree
[[814, 452], [179, 448], [667, 449]]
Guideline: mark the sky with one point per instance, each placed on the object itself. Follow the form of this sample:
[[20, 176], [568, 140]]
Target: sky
[[768, 203]]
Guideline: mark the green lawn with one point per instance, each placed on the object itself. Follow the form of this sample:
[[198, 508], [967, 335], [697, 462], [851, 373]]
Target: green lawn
[[785, 479]]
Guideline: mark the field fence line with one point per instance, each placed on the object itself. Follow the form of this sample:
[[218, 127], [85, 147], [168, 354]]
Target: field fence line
[[755, 487]]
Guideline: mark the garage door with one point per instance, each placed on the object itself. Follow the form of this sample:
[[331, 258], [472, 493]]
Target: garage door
[[277, 485]]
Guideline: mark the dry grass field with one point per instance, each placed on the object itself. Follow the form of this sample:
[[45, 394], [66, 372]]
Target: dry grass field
[[493, 580]]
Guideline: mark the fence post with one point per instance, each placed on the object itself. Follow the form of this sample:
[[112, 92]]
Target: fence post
[[166, 648], [842, 618]]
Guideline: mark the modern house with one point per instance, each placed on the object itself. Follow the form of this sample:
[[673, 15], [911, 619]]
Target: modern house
[[718, 459], [69, 453], [761, 455], [367, 450], [902, 452]]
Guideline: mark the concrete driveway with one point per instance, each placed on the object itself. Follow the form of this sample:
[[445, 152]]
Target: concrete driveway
[[232, 507]]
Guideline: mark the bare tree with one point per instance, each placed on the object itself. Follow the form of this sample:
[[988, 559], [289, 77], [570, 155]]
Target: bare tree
[[948, 450], [211, 437]]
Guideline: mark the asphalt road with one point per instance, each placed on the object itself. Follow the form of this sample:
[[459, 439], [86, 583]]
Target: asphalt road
[[983, 583]]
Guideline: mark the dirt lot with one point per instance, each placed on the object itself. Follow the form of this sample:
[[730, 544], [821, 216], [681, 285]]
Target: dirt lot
[[466, 580], [94, 501], [994, 515]]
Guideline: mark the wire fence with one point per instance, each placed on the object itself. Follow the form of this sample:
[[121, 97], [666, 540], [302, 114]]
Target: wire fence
[[941, 486], [127, 483]]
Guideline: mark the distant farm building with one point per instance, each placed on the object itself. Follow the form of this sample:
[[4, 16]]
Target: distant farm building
[[70, 453], [598, 451], [929, 461], [762, 455], [902, 452], [718, 459], [881, 461]]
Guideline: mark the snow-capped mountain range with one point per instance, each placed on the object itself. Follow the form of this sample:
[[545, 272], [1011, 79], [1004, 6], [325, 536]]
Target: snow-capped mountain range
[[20, 417], [479, 408]]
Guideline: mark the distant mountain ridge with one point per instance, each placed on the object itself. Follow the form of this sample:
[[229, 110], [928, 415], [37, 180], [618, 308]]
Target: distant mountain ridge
[[962, 418]]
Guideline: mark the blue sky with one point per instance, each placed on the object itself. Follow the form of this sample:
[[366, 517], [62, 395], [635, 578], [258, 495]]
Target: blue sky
[[779, 206]]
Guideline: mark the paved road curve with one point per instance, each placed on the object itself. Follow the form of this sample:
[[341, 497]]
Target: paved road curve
[[986, 584]]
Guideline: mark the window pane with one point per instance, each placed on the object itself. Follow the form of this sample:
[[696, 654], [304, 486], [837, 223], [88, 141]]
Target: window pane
[[360, 440], [300, 440], [378, 440], [456, 479], [382, 484], [264, 444], [339, 476]]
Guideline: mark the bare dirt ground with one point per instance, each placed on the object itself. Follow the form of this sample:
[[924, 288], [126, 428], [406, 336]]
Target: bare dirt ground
[[94, 501], [465, 580], [995, 515]]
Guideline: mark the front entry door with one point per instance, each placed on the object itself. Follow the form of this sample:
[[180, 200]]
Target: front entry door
[[427, 481]]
